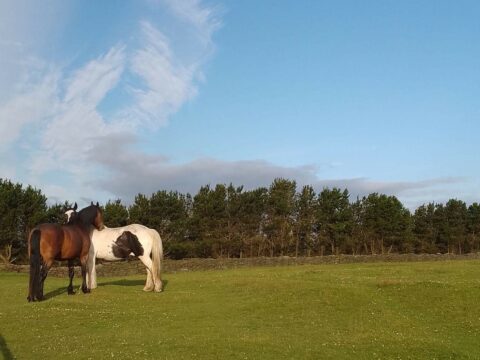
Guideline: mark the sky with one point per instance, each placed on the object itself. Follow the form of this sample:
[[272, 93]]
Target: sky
[[104, 100]]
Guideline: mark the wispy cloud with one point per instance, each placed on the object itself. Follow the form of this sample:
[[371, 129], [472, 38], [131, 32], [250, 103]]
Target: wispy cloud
[[76, 121], [91, 83], [167, 83], [35, 102], [204, 19], [72, 136]]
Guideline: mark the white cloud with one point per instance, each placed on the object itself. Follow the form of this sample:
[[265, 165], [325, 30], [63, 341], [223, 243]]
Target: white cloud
[[76, 121], [91, 83], [203, 19], [34, 103], [168, 83]]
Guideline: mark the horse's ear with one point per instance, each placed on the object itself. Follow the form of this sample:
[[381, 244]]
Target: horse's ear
[[97, 204], [75, 207], [91, 202]]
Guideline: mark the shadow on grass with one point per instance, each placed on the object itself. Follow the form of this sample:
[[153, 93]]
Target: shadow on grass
[[127, 282], [122, 282], [54, 293], [4, 350], [62, 290]]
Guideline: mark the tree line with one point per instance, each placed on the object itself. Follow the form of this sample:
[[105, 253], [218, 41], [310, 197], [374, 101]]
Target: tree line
[[281, 220]]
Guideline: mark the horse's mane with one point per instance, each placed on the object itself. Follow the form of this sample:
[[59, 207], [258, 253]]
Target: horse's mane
[[86, 216]]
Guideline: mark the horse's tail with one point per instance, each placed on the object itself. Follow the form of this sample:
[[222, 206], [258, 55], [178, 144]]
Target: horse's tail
[[35, 262], [157, 254]]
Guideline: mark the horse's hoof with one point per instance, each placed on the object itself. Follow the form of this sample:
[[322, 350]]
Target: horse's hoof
[[86, 291], [30, 299], [71, 292]]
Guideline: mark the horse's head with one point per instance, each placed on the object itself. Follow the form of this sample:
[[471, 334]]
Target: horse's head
[[91, 215], [70, 213]]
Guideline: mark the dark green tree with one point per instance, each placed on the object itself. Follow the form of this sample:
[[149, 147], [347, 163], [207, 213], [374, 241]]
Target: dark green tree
[[252, 221], [140, 211], [280, 215], [20, 210], [456, 215], [56, 213], [233, 233], [473, 227], [167, 208], [360, 240], [305, 234], [334, 218], [169, 216], [209, 220], [387, 222], [10, 218], [424, 230], [115, 214], [440, 225], [33, 209], [10, 198]]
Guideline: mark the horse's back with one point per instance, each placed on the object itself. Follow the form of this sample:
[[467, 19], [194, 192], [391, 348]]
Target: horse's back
[[111, 234], [60, 242], [49, 229], [135, 228], [104, 240]]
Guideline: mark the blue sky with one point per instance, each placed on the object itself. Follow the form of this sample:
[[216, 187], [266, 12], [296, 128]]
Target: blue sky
[[103, 100]]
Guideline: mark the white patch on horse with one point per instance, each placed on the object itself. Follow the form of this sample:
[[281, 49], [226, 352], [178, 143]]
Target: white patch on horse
[[69, 214]]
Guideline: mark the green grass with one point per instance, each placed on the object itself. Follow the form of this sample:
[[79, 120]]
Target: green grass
[[426, 310]]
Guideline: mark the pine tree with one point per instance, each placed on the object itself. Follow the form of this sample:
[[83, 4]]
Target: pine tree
[[280, 216], [388, 223], [456, 221], [305, 234], [424, 229], [115, 214], [334, 218], [473, 227]]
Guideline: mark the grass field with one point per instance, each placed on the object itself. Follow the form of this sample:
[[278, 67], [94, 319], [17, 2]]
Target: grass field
[[427, 310]]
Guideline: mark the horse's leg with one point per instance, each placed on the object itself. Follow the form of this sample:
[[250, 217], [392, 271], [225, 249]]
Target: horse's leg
[[83, 263], [46, 265], [93, 277], [91, 271], [35, 264], [150, 284], [71, 273]]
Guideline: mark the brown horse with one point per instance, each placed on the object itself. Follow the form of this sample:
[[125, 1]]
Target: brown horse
[[49, 242]]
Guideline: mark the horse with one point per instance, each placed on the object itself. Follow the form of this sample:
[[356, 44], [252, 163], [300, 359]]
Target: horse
[[49, 242], [114, 244]]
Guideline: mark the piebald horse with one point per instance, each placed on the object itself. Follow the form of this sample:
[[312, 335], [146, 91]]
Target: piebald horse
[[113, 244], [49, 242]]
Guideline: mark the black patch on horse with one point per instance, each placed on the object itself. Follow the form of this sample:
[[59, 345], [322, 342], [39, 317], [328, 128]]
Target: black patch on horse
[[125, 244]]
